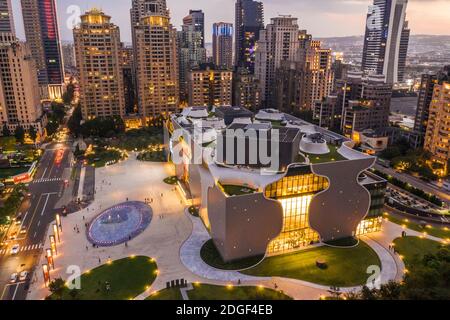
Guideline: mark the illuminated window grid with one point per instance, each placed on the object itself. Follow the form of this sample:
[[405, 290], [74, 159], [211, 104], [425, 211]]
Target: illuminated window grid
[[295, 194]]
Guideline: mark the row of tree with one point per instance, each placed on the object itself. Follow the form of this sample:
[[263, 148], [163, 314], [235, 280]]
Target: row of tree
[[20, 133], [429, 279]]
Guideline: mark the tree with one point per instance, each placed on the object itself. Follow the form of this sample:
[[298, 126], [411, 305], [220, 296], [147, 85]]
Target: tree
[[52, 127], [69, 94], [20, 134], [57, 288], [74, 123], [6, 132], [32, 133]]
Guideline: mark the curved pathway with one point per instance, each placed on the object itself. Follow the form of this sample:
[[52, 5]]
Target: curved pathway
[[190, 257]]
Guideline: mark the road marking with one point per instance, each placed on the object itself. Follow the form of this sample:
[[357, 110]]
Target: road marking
[[43, 175], [15, 291], [39, 223], [34, 235]]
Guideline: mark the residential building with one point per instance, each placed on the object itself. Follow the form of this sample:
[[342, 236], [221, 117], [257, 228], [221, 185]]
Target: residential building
[[210, 86], [278, 42], [191, 50], [246, 90], [223, 45], [386, 40], [249, 22], [156, 59], [437, 137], [99, 61], [426, 90], [42, 32]]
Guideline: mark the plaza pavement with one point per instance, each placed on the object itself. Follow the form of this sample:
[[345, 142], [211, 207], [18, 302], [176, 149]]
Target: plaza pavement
[[174, 237]]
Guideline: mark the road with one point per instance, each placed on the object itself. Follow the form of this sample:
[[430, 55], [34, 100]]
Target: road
[[416, 182], [37, 211]]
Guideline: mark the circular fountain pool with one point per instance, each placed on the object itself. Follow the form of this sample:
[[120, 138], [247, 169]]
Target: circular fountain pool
[[119, 223]]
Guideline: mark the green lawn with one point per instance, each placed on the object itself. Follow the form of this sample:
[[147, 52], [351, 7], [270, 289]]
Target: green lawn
[[440, 232], [212, 292], [152, 156], [128, 278], [212, 257], [171, 180], [166, 294], [101, 156], [346, 266], [139, 139], [414, 248], [333, 155], [6, 173], [8, 143], [233, 190]]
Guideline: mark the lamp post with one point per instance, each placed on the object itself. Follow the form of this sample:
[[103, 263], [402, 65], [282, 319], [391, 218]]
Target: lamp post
[[58, 222], [56, 232], [50, 260], [53, 245], [46, 273]]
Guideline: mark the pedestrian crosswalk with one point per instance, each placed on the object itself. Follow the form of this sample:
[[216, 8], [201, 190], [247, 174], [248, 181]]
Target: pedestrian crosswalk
[[30, 247], [47, 180]]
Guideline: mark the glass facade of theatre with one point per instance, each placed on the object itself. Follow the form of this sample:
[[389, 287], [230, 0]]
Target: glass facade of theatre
[[295, 192]]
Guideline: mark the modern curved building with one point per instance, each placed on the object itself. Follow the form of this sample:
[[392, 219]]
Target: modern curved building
[[252, 207]]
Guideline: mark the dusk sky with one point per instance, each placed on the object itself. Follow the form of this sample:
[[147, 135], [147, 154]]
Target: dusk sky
[[322, 18]]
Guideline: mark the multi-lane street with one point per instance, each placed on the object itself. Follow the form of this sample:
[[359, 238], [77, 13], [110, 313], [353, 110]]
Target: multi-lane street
[[37, 211]]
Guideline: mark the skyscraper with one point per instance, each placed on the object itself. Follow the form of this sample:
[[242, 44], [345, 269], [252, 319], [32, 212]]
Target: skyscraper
[[223, 44], [6, 17], [155, 45], [196, 20], [98, 52], [426, 93], [42, 33], [278, 42], [386, 40], [437, 137], [249, 22], [191, 50], [19, 91]]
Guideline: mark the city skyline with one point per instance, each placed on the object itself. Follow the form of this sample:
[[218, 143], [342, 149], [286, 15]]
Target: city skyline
[[347, 17]]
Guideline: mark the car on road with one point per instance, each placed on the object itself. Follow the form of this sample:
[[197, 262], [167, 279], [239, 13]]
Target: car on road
[[23, 276], [15, 249], [13, 277], [23, 231]]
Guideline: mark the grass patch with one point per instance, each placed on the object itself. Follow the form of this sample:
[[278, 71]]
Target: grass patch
[[332, 156], [439, 232], [346, 267], [139, 139], [166, 294], [171, 180], [211, 292], [233, 190], [211, 256], [413, 249], [346, 242], [8, 143], [152, 156], [101, 156], [6, 173], [128, 278], [193, 210], [11, 204]]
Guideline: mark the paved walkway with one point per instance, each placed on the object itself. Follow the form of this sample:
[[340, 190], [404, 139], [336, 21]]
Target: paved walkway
[[168, 229]]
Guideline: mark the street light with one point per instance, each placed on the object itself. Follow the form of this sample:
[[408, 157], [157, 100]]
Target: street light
[[50, 260], [46, 274], [53, 245], [56, 232], [58, 222]]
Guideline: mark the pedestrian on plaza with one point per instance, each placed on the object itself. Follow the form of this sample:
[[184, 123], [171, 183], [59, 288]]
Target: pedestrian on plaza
[[126, 244], [87, 248], [83, 217], [99, 261]]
